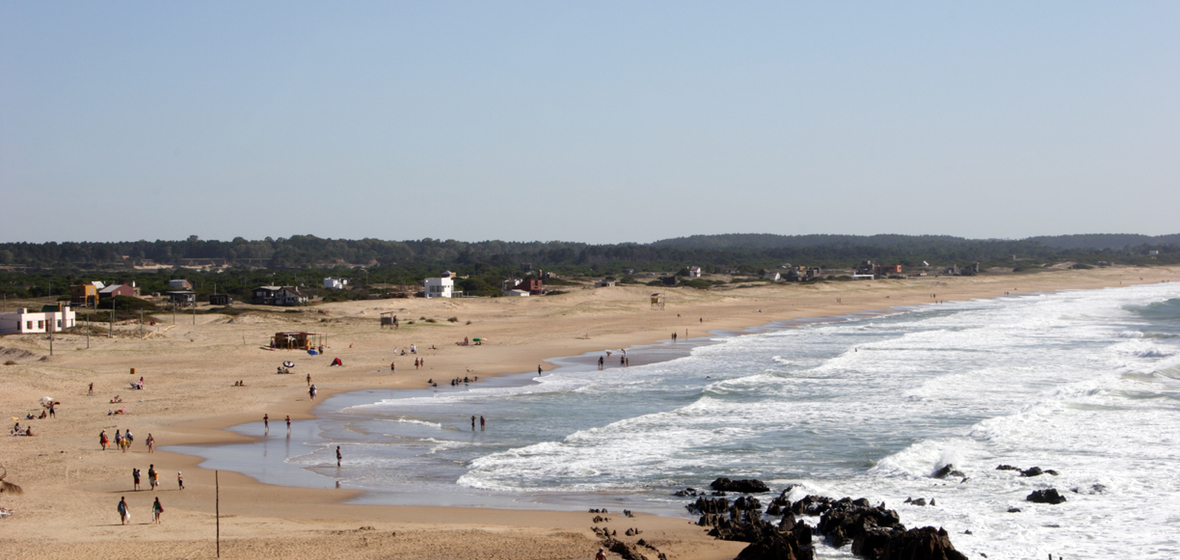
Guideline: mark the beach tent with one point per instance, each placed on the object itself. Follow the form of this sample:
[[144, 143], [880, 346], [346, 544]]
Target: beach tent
[[336, 362]]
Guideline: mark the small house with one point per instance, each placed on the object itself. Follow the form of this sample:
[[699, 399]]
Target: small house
[[335, 283], [220, 299], [49, 319], [443, 286], [278, 295], [118, 290], [694, 272], [179, 284], [84, 294]]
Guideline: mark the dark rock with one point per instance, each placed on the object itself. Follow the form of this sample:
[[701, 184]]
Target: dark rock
[[1013, 510], [917, 502], [1007, 468], [926, 543], [627, 552], [748, 486], [1049, 496], [845, 520], [948, 470], [776, 546], [1034, 471], [811, 505], [1051, 471]]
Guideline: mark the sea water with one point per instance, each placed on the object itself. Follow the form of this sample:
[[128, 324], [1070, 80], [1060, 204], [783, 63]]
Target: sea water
[[1086, 383]]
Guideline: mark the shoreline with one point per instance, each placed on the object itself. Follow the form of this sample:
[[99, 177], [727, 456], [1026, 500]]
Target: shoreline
[[185, 360], [575, 362]]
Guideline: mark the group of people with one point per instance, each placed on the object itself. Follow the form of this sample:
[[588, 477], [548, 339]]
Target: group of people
[[154, 477], [125, 511], [123, 440], [17, 430], [266, 424], [482, 423]]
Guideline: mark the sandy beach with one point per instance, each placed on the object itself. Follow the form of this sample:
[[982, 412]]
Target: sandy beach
[[190, 367]]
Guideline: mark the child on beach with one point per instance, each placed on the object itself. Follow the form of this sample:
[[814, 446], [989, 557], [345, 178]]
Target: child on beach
[[180, 480]]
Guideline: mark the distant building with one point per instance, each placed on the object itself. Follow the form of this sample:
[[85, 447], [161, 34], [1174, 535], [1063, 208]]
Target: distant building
[[335, 283], [443, 286], [530, 286], [887, 269], [118, 290], [24, 322], [278, 295], [84, 295], [179, 284], [220, 299], [772, 275], [694, 272]]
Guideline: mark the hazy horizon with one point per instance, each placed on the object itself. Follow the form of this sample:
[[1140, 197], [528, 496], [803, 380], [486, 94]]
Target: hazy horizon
[[606, 123]]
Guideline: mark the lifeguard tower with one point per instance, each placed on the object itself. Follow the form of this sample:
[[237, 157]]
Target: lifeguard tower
[[657, 302]]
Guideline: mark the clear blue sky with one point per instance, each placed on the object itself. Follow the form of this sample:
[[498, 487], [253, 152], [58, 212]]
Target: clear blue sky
[[600, 122]]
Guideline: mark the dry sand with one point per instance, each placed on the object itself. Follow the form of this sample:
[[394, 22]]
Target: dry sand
[[71, 486]]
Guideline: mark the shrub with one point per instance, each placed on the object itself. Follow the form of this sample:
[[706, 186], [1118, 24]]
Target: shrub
[[455, 320]]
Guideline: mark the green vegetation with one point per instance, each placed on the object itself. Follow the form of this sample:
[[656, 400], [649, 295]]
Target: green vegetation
[[378, 268]]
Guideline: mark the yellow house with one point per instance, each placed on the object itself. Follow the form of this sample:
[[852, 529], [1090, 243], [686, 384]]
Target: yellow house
[[84, 295]]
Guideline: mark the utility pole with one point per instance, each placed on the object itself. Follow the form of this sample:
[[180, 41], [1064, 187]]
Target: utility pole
[[111, 332], [88, 332], [217, 507], [140, 323]]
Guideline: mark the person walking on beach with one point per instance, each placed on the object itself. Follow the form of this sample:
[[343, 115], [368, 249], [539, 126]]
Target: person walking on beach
[[673, 337], [135, 477], [102, 439], [311, 392], [180, 480], [157, 509], [601, 554], [153, 476], [124, 514], [151, 443], [338, 456], [538, 371], [309, 380], [90, 391], [266, 423]]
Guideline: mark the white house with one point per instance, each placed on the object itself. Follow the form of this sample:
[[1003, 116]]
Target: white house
[[694, 272], [24, 322], [773, 276], [443, 286], [335, 283]]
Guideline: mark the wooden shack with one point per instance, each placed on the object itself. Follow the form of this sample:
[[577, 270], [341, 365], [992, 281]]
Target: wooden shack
[[298, 340], [388, 319]]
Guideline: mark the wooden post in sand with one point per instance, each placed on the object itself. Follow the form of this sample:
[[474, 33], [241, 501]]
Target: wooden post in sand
[[217, 507], [88, 331]]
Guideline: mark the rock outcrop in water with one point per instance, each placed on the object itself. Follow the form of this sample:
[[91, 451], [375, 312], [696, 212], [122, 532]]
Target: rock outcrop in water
[[748, 486], [876, 533], [1047, 496]]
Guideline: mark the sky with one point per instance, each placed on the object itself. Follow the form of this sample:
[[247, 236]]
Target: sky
[[598, 122]]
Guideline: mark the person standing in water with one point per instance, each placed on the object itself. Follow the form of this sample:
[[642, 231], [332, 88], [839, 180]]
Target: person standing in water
[[338, 456]]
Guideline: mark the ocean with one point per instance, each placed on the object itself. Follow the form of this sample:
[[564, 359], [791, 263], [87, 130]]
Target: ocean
[[1086, 383]]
